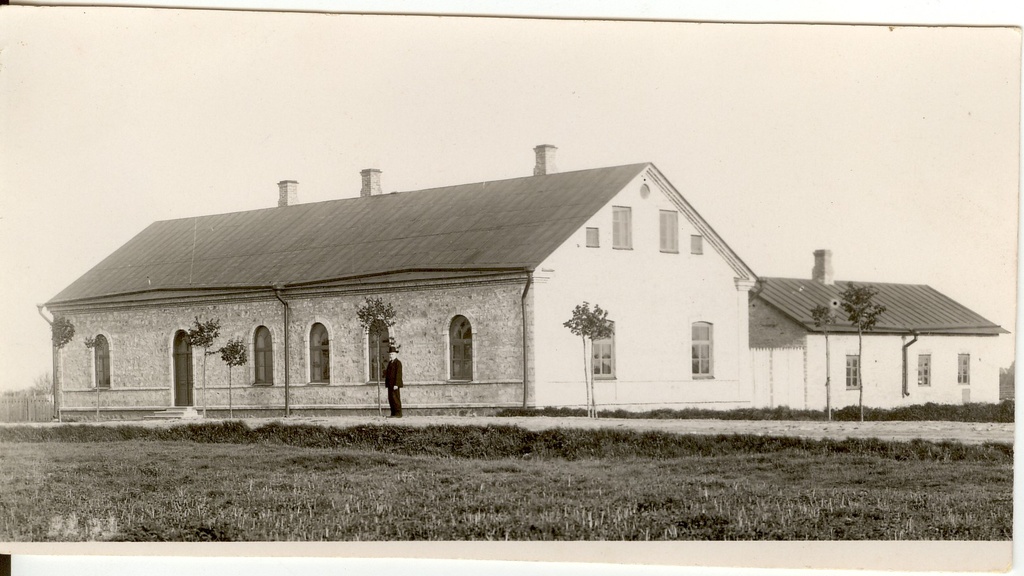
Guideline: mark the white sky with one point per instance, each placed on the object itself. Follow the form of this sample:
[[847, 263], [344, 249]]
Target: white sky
[[896, 149]]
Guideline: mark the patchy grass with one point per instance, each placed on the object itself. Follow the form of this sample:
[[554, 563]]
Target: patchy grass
[[979, 412], [228, 482]]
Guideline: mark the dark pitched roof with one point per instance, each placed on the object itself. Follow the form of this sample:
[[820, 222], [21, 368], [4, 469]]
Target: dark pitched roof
[[501, 225], [909, 307]]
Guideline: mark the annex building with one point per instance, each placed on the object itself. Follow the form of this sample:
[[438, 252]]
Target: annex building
[[482, 277]]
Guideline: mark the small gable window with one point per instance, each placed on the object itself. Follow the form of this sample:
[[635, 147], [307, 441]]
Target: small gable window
[[696, 244], [593, 238], [101, 355], [701, 349], [669, 221], [263, 356], [319, 354], [461, 338], [622, 227]]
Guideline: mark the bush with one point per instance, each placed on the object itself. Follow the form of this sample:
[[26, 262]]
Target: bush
[[495, 442], [1001, 412]]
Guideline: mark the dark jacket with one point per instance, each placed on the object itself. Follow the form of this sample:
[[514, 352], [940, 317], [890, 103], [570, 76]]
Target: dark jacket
[[393, 374]]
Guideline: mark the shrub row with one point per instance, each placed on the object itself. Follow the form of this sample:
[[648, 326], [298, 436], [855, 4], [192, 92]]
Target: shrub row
[[980, 412], [508, 441]]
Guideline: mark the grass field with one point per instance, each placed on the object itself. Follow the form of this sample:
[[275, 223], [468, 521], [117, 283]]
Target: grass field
[[227, 482]]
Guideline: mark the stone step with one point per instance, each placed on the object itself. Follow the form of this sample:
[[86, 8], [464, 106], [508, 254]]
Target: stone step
[[174, 413]]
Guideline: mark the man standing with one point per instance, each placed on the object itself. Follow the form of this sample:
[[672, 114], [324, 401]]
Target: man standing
[[393, 382]]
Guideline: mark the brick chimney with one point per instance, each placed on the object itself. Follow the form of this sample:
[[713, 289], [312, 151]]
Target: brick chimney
[[289, 193], [823, 267], [545, 160], [371, 182]]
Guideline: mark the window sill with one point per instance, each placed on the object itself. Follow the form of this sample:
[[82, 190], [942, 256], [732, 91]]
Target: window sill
[[263, 384], [670, 251], [318, 384], [588, 246], [604, 377], [703, 377], [622, 247], [449, 381], [853, 389]]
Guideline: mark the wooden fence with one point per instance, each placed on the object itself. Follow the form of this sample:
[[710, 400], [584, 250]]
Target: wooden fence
[[780, 377], [25, 409]]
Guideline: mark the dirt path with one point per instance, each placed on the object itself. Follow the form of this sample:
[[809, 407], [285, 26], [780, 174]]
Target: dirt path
[[966, 432]]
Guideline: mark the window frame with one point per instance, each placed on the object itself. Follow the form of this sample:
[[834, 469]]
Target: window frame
[[322, 353], [457, 321], [672, 246], [963, 369], [924, 370], [696, 345], [855, 358], [264, 355], [101, 362], [595, 359], [697, 244], [622, 228]]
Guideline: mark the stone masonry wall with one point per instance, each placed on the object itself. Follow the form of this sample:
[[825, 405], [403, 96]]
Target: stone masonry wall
[[770, 328], [141, 345]]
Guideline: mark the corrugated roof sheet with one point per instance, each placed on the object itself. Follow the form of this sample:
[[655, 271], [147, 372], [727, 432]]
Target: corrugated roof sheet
[[506, 224], [909, 307]]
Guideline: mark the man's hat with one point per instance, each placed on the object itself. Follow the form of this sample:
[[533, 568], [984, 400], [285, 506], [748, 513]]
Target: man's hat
[[392, 349]]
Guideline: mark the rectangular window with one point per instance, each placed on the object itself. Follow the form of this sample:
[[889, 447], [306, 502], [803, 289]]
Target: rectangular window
[[604, 357], [622, 227], [963, 369], [593, 238], [669, 220], [852, 372], [696, 244], [701, 350], [924, 370]]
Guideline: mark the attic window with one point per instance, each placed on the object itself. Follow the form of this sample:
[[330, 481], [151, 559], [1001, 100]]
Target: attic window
[[622, 227], [593, 238], [669, 220], [696, 244]]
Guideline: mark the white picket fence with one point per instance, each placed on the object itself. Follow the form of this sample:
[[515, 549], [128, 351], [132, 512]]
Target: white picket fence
[[780, 377]]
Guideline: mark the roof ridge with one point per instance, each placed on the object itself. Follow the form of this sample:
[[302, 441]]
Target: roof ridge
[[395, 192]]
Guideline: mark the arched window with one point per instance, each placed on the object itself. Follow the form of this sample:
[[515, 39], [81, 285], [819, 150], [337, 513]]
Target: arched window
[[461, 338], [319, 354], [701, 347], [101, 353], [182, 369], [378, 342], [263, 347]]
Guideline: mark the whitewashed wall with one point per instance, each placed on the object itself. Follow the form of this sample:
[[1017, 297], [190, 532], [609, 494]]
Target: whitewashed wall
[[653, 297], [780, 381]]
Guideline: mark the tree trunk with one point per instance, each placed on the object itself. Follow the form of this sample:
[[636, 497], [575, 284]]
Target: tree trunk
[[586, 371], [593, 399], [828, 379], [231, 411], [860, 361], [204, 382], [376, 340]]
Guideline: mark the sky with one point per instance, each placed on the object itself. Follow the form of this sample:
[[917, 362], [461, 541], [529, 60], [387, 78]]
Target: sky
[[895, 147]]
